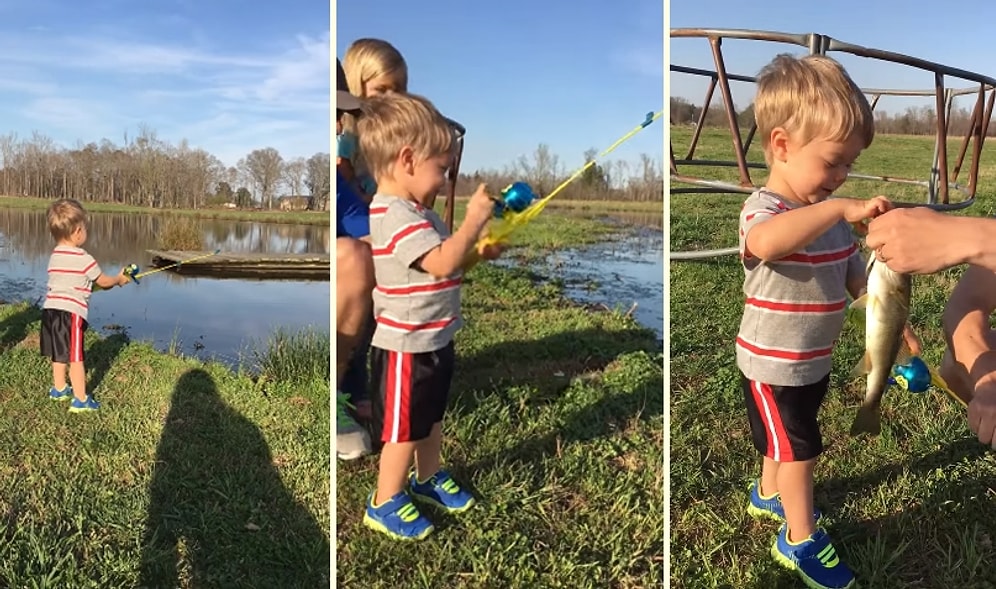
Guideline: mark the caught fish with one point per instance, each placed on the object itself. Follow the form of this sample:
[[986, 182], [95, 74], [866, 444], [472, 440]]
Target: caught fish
[[887, 308]]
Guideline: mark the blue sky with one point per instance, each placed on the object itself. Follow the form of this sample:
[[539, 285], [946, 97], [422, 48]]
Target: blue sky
[[520, 73], [226, 78], [954, 35]]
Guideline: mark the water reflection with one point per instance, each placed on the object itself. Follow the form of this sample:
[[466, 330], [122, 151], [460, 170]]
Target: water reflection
[[210, 317]]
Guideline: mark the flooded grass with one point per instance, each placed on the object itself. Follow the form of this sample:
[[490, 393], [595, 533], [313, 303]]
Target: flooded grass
[[188, 476], [180, 233]]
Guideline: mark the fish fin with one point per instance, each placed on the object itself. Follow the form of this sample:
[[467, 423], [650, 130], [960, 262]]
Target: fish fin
[[868, 421], [860, 302], [905, 354], [863, 366]]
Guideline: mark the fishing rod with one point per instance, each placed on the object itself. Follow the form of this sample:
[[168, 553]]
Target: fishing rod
[[135, 276], [518, 205]]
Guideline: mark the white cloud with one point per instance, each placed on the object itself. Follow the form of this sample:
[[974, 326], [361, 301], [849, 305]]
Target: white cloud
[[221, 101]]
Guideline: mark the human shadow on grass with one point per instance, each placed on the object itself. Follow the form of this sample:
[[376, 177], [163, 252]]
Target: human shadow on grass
[[101, 356], [14, 328], [219, 514]]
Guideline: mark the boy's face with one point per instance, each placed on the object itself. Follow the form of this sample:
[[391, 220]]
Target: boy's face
[[429, 177], [813, 171]]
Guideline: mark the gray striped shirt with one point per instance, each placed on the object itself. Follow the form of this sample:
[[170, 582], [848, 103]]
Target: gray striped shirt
[[794, 307], [71, 274], [415, 312]]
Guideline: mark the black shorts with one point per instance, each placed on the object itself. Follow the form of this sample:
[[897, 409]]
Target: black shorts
[[783, 419], [410, 391], [62, 336]]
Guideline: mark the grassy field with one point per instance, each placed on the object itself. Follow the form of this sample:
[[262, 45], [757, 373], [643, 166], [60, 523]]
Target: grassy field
[[189, 476], [913, 508], [294, 217], [556, 424]]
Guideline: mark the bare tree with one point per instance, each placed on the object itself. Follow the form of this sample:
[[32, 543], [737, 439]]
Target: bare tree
[[265, 166], [294, 172], [318, 180]]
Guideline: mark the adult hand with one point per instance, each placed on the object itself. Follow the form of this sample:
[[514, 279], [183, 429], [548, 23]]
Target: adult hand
[[982, 410], [912, 240]]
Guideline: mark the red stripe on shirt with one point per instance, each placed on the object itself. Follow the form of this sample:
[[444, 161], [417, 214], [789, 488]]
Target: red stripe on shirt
[[420, 288], [784, 354], [407, 326], [402, 233], [822, 258], [791, 307]]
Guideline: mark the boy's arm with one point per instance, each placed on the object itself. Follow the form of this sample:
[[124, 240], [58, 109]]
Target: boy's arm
[[450, 255], [779, 235]]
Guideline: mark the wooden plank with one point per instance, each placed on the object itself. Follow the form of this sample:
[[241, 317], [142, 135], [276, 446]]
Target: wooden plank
[[244, 264]]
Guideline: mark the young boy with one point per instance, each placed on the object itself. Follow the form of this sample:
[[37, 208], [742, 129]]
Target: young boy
[[800, 261], [418, 267], [72, 272]]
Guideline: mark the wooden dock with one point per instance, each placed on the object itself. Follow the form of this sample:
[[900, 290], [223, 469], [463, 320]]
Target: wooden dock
[[244, 264]]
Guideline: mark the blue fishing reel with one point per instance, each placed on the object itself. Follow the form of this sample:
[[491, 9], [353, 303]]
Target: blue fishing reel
[[516, 197], [131, 271], [913, 377]]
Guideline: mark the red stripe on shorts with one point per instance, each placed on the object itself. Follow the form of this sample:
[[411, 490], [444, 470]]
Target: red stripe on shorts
[[397, 402], [779, 448], [76, 338]]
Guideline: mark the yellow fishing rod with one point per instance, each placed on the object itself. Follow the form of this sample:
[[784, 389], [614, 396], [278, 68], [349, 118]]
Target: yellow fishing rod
[[131, 270], [517, 205]]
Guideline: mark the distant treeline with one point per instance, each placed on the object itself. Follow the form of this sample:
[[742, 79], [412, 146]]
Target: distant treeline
[[147, 171], [915, 120], [619, 180]]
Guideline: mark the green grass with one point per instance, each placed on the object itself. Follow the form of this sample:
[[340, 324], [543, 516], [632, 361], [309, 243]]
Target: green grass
[[295, 358], [295, 217], [189, 476], [912, 508], [180, 233], [556, 423]]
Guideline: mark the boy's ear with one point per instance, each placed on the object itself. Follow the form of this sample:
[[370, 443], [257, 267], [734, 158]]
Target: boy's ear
[[778, 143], [407, 159]]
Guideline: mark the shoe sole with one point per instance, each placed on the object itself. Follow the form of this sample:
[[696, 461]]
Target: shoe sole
[[379, 527], [82, 410], [445, 508], [66, 398], [761, 513], [351, 455], [806, 580]]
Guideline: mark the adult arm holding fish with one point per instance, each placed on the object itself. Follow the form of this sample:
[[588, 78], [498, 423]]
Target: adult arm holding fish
[[919, 240]]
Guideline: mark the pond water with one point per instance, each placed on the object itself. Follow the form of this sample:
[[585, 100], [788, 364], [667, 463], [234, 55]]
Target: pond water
[[204, 317], [619, 273]]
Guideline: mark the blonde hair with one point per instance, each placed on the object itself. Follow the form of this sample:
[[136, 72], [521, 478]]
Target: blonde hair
[[393, 121], [365, 60], [812, 98], [64, 217]]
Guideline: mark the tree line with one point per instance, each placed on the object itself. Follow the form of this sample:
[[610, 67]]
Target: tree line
[[914, 120], [148, 171], [641, 181]]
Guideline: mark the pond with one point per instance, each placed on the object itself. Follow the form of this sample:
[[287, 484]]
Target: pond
[[203, 317], [626, 272]]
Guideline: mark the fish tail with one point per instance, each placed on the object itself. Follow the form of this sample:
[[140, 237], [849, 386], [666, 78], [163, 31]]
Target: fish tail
[[868, 421]]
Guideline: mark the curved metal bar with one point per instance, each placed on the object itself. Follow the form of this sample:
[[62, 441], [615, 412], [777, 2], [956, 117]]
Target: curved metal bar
[[940, 181]]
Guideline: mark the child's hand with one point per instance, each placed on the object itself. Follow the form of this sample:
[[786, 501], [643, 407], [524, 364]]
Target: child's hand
[[491, 251], [857, 211], [123, 278], [480, 207]]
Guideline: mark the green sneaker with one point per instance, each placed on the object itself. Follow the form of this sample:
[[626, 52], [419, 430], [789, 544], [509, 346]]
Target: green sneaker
[[351, 440]]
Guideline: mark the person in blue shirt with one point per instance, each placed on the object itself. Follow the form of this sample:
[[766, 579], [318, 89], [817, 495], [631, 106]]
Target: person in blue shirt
[[354, 286]]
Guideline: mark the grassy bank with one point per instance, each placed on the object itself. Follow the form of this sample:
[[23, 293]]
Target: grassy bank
[[189, 476], [555, 422], [912, 508], [295, 217]]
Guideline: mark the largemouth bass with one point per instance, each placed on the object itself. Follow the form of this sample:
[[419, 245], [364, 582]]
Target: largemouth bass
[[887, 308]]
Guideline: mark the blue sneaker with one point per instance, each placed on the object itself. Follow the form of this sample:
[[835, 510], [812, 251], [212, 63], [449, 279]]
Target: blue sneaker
[[63, 395], [770, 507], [814, 559], [90, 404], [397, 517], [442, 491]]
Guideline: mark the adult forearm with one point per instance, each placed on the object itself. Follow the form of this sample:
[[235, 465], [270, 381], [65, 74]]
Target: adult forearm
[[973, 241]]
